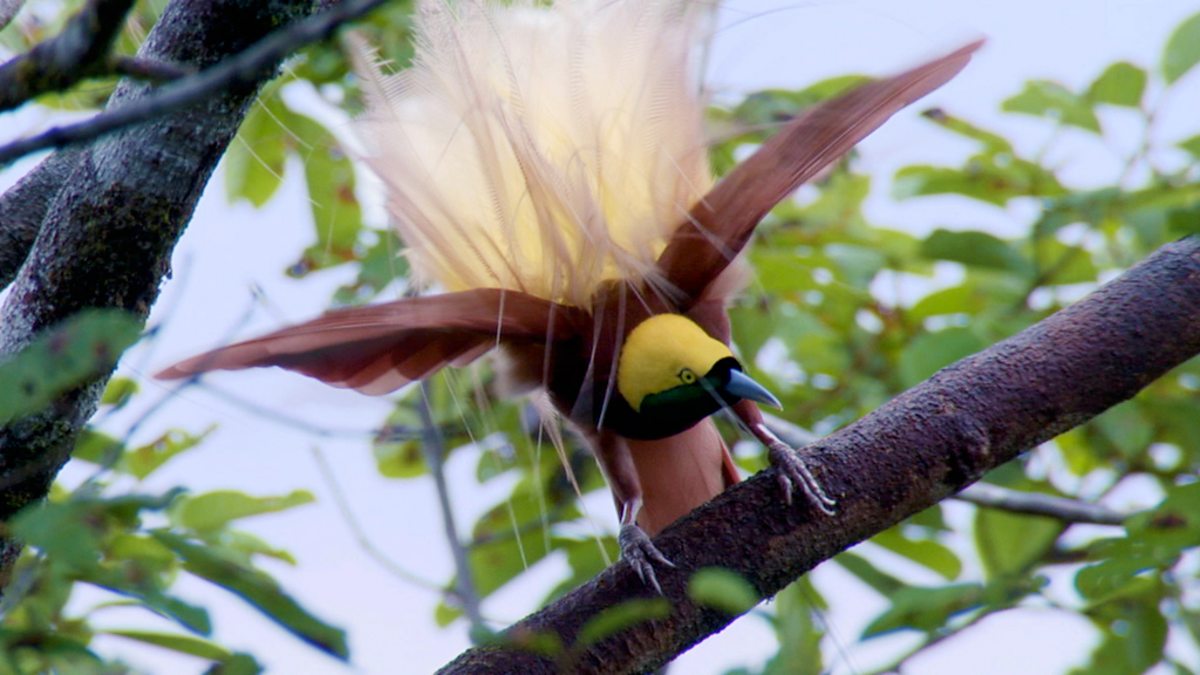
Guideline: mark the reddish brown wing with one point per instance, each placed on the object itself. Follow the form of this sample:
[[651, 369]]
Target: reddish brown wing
[[721, 223], [379, 348]]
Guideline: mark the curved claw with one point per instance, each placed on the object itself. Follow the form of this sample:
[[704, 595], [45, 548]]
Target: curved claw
[[640, 552], [793, 473]]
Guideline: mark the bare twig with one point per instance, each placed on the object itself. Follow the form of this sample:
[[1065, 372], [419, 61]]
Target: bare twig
[[1033, 503], [246, 68], [145, 69], [435, 453], [78, 52], [360, 535]]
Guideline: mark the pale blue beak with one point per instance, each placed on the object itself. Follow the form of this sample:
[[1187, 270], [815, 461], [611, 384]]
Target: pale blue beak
[[742, 386]]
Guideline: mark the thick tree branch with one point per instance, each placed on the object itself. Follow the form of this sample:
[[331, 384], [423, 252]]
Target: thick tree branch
[[79, 51], [248, 67], [107, 232], [921, 447], [24, 205]]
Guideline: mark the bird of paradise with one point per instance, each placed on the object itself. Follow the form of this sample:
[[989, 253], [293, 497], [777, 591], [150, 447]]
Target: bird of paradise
[[546, 167]]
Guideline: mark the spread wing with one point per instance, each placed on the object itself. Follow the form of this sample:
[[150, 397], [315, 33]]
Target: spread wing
[[719, 225], [380, 348]]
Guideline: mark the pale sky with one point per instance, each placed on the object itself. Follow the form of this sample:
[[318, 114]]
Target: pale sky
[[229, 250]]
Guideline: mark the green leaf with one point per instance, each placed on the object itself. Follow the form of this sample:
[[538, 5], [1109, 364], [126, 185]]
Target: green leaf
[[260, 590], [994, 143], [585, 561], [1127, 428], [329, 174], [929, 352], [444, 615], [1135, 635], [1054, 101], [882, 582], [189, 616], [1192, 145], [149, 553], [975, 296], [993, 179], [214, 510], [925, 552], [617, 618], [1183, 49], [1008, 543], [405, 459], [82, 347], [723, 590], [62, 532], [799, 634], [254, 162], [184, 644], [118, 391], [380, 265], [925, 608], [143, 460], [857, 265], [1063, 264], [236, 664], [498, 560], [1121, 84], [97, 447], [1156, 540], [976, 249]]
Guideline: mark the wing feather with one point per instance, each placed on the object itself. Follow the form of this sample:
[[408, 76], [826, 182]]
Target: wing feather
[[721, 223], [380, 348]]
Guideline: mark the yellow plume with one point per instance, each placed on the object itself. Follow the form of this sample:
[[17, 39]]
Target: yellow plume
[[541, 149]]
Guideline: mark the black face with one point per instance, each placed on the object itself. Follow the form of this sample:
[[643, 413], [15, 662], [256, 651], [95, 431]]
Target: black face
[[674, 410]]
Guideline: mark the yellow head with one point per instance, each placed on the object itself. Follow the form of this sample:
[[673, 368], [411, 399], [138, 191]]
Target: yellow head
[[670, 367]]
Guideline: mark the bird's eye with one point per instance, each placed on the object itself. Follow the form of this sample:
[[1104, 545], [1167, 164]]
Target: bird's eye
[[686, 376]]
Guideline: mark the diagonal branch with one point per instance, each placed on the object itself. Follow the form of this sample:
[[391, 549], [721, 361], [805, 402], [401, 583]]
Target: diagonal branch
[[248, 67], [79, 51], [923, 446], [23, 207]]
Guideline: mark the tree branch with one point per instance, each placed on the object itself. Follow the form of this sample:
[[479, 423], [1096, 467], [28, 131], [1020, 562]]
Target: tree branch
[[78, 52], [434, 448], [23, 207], [921, 447], [248, 67], [1036, 504]]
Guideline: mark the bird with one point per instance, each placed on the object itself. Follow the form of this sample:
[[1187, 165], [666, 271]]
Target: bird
[[546, 168]]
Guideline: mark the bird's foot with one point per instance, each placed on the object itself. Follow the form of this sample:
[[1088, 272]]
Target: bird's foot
[[794, 474], [640, 553]]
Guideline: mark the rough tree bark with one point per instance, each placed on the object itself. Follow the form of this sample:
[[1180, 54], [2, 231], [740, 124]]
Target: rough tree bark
[[106, 217], [921, 447]]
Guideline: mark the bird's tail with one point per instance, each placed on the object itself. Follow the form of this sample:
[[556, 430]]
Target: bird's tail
[[681, 472]]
